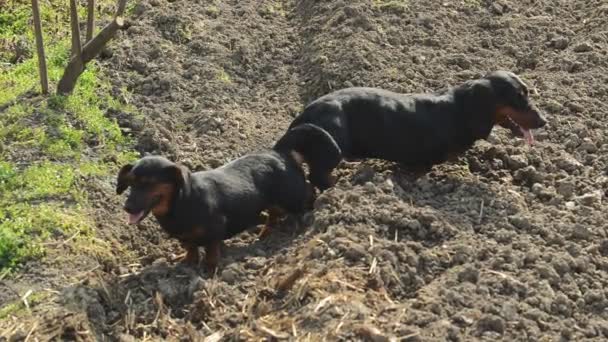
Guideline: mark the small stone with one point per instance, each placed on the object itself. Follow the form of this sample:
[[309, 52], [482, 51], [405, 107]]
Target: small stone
[[566, 334], [496, 8], [546, 272], [255, 263], [560, 42], [126, 338], [531, 257], [568, 163], [566, 188], [140, 8], [588, 146], [509, 311], [537, 188], [603, 248], [491, 323], [542, 192], [371, 333], [561, 266], [590, 199], [317, 252], [469, 274], [418, 59], [520, 222], [575, 66], [462, 319], [140, 65], [575, 106], [581, 232], [364, 175], [160, 262], [562, 305], [528, 174], [355, 252], [517, 161], [594, 297], [583, 47], [229, 275], [369, 187]]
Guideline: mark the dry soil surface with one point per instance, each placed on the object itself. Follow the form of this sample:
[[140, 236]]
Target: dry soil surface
[[510, 242]]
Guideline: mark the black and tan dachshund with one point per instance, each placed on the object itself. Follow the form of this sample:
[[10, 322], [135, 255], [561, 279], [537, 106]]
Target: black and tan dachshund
[[419, 130], [203, 208]]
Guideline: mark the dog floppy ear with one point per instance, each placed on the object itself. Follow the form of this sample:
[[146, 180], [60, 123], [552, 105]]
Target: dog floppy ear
[[481, 90], [179, 174], [124, 178]]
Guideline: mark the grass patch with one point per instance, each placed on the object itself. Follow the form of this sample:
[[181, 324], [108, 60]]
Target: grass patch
[[272, 9], [223, 76], [50, 145], [18, 306], [212, 11]]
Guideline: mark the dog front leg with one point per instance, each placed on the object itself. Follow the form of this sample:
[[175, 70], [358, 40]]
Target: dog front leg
[[212, 255], [190, 256]]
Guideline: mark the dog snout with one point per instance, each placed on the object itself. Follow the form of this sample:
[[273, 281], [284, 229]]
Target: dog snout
[[130, 206], [540, 120]]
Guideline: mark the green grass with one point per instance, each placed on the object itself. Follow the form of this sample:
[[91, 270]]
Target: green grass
[[18, 306], [50, 146], [273, 9], [223, 76]]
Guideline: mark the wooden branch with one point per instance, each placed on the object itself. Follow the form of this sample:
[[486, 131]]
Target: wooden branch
[[89, 51], [90, 20], [44, 81], [94, 47], [76, 45], [120, 8]]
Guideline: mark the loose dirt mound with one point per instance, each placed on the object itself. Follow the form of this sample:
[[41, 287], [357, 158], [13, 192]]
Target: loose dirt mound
[[510, 242]]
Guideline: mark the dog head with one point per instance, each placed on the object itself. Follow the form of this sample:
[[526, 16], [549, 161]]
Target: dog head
[[506, 96], [514, 109], [153, 181]]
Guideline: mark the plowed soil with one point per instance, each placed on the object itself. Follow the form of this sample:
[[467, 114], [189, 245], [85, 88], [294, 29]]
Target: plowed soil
[[509, 242]]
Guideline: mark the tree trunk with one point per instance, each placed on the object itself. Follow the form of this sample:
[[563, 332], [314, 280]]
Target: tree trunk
[[44, 81], [120, 8], [76, 44], [89, 51], [90, 20]]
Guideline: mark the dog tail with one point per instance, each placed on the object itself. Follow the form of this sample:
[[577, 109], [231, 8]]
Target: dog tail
[[316, 147]]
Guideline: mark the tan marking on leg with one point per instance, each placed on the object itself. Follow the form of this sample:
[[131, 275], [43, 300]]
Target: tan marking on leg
[[273, 217]]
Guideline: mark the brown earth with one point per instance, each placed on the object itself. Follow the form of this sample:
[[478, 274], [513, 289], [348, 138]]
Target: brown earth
[[510, 242]]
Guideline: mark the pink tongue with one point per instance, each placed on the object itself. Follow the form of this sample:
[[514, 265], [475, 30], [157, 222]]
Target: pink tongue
[[528, 136], [134, 218]]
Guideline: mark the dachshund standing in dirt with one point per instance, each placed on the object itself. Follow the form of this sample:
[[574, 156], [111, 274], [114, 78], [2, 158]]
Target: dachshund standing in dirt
[[419, 130], [204, 208]]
